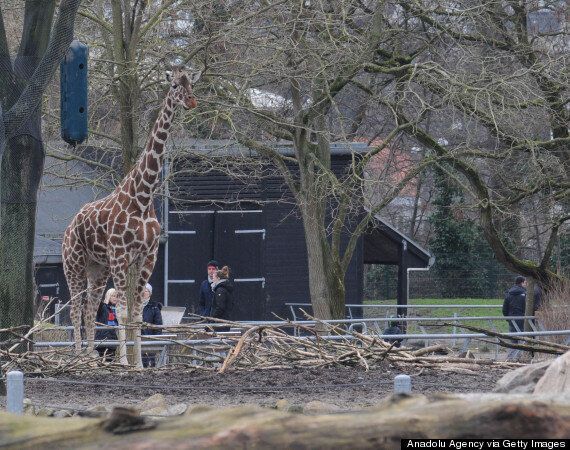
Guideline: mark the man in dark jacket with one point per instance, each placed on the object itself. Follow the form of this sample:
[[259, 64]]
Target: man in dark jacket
[[515, 302], [514, 305], [152, 315], [206, 293]]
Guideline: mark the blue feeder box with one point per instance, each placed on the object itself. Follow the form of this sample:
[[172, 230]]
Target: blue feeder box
[[73, 92]]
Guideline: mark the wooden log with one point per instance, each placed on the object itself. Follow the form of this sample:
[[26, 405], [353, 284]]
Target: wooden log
[[483, 416]]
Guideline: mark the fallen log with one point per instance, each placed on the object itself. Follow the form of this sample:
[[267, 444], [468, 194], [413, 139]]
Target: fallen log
[[483, 416]]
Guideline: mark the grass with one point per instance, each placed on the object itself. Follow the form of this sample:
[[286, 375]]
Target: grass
[[494, 309]]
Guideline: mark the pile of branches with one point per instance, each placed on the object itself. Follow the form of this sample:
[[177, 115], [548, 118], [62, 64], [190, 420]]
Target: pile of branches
[[254, 347], [327, 345]]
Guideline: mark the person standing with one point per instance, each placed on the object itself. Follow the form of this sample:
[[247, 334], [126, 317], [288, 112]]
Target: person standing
[[152, 315], [223, 300], [514, 305], [107, 315], [206, 293]]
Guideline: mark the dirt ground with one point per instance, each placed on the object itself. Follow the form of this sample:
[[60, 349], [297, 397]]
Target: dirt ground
[[348, 388]]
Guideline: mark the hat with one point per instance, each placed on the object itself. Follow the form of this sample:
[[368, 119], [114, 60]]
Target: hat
[[214, 263], [148, 287]]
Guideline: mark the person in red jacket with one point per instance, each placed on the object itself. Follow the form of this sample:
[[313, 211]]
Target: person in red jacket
[[107, 315]]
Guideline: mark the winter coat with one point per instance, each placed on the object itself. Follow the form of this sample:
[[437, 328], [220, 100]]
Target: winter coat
[[107, 315], [223, 302], [206, 298], [152, 315], [514, 305]]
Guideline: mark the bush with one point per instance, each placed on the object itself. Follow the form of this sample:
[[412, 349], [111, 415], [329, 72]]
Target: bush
[[554, 313]]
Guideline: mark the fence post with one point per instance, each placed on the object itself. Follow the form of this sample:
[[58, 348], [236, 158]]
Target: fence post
[[15, 392], [57, 317], [402, 384], [454, 328]]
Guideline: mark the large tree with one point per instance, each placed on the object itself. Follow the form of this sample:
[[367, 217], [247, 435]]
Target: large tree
[[23, 81], [286, 72], [498, 71], [492, 86]]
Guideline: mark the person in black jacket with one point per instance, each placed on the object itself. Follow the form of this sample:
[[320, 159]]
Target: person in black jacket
[[152, 315], [107, 315], [514, 305], [515, 302], [223, 301], [206, 293]]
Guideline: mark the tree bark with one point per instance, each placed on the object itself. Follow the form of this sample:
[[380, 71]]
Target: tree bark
[[20, 175], [326, 278]]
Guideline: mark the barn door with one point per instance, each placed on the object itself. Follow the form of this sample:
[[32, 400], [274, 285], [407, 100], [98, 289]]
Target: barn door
[[189, 247], [238, 243]]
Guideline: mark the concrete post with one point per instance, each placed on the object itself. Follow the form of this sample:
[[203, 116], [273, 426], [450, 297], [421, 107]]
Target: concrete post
[[15, 392], [402, 384]]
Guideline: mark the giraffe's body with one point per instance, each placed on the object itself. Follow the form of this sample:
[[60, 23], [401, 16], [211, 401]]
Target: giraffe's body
[[108, 236]]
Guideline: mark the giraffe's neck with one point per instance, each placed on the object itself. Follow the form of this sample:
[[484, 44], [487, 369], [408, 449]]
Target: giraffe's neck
[[141, 182]]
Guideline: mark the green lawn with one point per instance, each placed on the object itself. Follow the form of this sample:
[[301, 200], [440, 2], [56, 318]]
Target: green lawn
[[493, 310]]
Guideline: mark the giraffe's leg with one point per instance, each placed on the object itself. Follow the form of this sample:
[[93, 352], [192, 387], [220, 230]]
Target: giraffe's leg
[[76, 281], [97, 277], [76, 289]]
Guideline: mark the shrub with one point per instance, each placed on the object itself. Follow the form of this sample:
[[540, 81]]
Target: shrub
[[554, 312]]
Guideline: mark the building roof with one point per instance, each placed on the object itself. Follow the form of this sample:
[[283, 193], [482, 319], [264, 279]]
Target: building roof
[[382, 244], [57, 205], [221, 147], [46, 251]]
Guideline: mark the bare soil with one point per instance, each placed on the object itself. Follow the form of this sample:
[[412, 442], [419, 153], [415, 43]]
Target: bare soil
[[349, 388]]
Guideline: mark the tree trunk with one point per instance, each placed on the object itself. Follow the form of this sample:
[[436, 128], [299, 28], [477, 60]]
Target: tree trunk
[[133, 351], [326, 278], [129, 120], [384, 426], [20, 175], [23, 158]]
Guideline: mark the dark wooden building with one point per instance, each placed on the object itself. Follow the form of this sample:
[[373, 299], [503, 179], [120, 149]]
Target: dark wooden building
[[250, 228]]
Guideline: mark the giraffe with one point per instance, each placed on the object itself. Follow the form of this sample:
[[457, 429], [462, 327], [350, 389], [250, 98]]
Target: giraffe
[[107, 236]]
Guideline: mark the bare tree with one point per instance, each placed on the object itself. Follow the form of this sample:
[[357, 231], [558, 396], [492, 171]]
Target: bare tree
[[286, 72], [484, 80], [499, 69]]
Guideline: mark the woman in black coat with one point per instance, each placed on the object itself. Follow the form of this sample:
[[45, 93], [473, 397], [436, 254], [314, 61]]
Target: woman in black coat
[[223, 299]]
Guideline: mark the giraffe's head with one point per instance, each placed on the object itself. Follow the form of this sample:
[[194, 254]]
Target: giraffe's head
[[181, 82]]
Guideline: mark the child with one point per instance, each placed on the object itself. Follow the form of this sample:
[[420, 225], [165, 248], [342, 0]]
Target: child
[[107, 315]]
